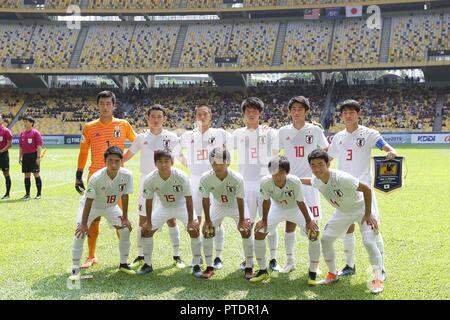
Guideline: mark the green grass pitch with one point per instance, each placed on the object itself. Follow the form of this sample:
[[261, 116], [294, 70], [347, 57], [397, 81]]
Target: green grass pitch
[[36, 236]]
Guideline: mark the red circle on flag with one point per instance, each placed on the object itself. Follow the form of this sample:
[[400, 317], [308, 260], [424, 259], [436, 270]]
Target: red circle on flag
[[354, 11]]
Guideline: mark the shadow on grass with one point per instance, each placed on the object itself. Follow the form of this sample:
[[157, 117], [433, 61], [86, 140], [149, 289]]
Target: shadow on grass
[[166, 284]]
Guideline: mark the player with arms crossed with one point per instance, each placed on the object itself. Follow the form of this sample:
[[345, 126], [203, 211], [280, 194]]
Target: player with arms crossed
[[352, 201], [105, 188], [299, 139], [283, 201], [156, 138], [255, 145], [198, 143], [227, 189], [172, 188], [353, 147], [97, 136]]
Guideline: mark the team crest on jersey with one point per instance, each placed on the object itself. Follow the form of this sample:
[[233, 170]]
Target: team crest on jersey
[[166, 144], [211, 141], [122, 187], [177, 188], [360, 142], [231, 189], [289, 193], [262, 139], [309, 138], [338, 193], [117, 133]]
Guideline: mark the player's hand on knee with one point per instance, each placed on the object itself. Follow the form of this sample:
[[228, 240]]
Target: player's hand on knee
[[126, 224], [312, 230], [146, 229], [79, 185], [81, 230], [261, 227], [370, 221], [244, 227], [208, 229], [193, 228]]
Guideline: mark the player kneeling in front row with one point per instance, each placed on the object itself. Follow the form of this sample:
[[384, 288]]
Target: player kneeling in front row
[[227, 188], [173, 190], [284, 190], [352, 200], [105, 188]]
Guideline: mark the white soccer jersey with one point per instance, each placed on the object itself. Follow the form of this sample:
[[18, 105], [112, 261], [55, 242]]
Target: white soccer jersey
[[199, 145], [340, 191], [285, 197], [171, 192], [224, 192], [148, 143], [353, 151], [254, 149], [105, 191], [298, 144]]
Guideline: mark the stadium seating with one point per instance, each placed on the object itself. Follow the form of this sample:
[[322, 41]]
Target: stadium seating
[[307, 42], [355, 43], [14, 41], [10, 104], [134, 4], [414, 34]]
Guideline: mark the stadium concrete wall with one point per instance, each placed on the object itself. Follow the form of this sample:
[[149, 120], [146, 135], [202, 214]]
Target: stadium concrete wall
[[390, 137]]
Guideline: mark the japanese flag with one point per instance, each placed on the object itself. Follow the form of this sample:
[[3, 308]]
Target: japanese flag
[[355, 11]]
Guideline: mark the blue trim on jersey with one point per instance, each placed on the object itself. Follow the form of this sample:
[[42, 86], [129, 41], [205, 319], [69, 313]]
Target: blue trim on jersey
[[380, 144]]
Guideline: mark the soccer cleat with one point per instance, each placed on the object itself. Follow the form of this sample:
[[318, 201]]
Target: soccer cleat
[[25, 197], [125, 268], [242, 266], [137, 263], [383, 275], [289, 267], [5, 197], [273, 265], [208, 273], [145, 269], [312, 278], [218, 263], [38, 196], [261, 275], [347, 271], [90, 262], [329, 279], [248, 273], [197, 271], [178, 262], [377, 286], [76, 275]]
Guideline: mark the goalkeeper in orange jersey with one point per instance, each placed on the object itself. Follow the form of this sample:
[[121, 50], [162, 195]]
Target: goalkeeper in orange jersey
[[99, 135]]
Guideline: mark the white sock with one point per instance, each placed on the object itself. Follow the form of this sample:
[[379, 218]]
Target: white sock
[[174, 233], [260, 253], [124, 245], [314, 255], [380, 245], [139, 242], [77, 251], [219, 240], [272, 239], [147, 246], [196, 247], [369, 240], [208, 247], [349, 249], [289, 244], [248, 251], [327, 243]]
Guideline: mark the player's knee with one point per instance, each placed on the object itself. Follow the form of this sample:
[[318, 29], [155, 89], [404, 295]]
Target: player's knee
[[142, 220], [123, 232], [260, 235], [290, 227], [368, 239], [351, 229], [172, 223], [327, 240], [245, 234], [194, 234]]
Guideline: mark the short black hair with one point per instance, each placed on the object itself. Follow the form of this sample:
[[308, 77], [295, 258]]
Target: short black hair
[[252, 102], [162, 153], [29, 119], [277, 163], [349, 104], [106, 94], [156, 107], [113, 150], [200, 105], [219, 155], [318, 154], [299, 99]]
